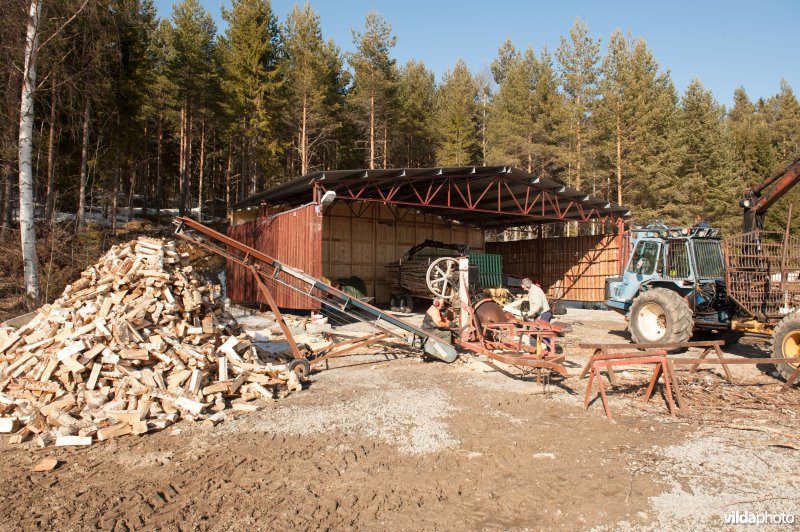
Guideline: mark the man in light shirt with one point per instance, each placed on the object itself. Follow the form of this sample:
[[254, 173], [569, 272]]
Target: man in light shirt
[[538, 307]]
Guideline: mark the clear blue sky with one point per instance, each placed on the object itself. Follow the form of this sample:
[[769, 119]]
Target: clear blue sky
[[725, 44]]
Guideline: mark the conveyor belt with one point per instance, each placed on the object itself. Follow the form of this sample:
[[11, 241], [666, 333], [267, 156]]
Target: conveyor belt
[[265, 267]]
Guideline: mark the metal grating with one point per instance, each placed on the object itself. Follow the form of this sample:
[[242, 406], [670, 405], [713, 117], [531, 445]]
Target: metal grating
[[763, 273], [709, 259], [677, 260]]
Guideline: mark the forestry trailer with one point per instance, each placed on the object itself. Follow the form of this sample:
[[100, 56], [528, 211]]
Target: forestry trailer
[[681, 280]]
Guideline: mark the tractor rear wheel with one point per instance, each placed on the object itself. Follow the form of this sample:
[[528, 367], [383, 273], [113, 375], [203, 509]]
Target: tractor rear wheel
[[786, 343], [660, 316]]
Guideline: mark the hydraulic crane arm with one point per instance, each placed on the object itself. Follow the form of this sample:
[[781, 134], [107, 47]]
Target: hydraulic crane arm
[[755, 204]]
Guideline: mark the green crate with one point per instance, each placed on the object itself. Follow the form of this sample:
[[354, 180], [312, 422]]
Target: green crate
[[490, 268]]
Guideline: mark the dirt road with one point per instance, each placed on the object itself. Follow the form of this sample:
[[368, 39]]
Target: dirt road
[[397, 443]]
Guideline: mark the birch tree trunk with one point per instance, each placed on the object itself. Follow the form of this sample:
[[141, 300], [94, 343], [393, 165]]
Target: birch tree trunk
[[84, 178], [26, 207]]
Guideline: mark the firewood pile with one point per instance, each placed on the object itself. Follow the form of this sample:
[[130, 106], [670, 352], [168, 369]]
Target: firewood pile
[[137, 343], [410, 275]]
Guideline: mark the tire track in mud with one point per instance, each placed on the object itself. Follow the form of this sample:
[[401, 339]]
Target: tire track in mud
[[245, 474]]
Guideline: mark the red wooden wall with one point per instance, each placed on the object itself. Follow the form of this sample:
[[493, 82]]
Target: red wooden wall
[[573, 268], [295, 239]]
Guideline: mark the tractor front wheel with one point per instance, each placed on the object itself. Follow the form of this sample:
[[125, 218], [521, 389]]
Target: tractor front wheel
[[786, 343], [660, 316]]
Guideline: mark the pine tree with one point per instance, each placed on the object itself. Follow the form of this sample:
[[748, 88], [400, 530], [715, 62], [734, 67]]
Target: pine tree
[[417, 132], [252, 54], [785, 118], [551, 114], [191, 64], [751, 142], [511, 116], [457, 118], [135, 22], [705, 187], [373, 95], [635, 118], [507, 57], [577, 58], [312, 68], [783, 115]]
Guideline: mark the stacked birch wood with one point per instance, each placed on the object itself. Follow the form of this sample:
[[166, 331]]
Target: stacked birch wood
[[137, 343], [410, 275]]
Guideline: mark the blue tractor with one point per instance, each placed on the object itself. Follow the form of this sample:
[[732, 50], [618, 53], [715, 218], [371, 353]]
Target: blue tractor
[[674, 283]]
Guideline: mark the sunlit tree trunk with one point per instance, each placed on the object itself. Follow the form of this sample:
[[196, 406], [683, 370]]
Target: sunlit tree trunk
[[372, 132], [202, 165], [26, 115]]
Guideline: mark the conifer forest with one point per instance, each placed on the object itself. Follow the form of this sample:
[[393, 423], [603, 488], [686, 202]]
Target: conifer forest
[[108, 108]]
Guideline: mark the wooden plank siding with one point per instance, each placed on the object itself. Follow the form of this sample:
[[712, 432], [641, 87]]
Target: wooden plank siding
[[572, 268], [361, 239], [294, 238]]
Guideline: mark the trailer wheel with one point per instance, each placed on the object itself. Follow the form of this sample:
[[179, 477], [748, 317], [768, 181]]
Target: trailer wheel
[[786, 343], [394, 303], [300, 366], [660, 316], [406, 303]]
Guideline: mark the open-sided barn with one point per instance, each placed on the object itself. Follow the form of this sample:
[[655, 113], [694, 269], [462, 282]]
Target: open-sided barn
[[355, 222]]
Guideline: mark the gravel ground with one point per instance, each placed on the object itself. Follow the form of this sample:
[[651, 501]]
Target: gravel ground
[[384, 440]]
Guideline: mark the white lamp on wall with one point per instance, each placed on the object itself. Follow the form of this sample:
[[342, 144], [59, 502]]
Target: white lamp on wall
[[326, 199]]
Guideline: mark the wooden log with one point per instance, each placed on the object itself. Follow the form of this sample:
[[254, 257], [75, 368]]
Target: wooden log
[[222, 369], [127, 416], [134, 354], [195, 382], [8, 425], [217, 387], [245, 407], [194, 407], [120, 429], [69, 441], [92, 382], [64, 403], [72, 349], [263, 392], [44, 465], [20, 436]]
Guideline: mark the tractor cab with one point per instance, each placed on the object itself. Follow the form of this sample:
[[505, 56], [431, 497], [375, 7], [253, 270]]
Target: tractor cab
[[674, 281]]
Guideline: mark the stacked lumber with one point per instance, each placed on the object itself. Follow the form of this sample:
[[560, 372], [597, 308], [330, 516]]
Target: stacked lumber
[[410, 275], [137, 343]]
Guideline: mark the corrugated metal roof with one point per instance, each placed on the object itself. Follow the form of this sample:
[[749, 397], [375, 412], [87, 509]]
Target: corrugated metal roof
[[484, 196]]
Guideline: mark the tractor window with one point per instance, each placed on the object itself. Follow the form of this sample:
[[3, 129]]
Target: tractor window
[[708, 257], [677, 260], [644, 258]]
